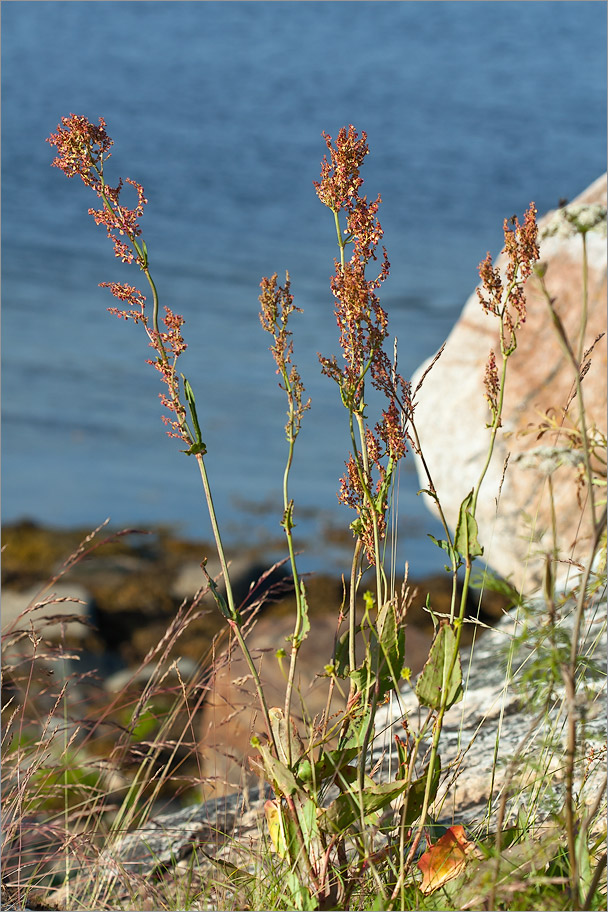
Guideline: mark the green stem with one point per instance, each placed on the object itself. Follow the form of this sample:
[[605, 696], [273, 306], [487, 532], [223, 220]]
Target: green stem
[[458, 623], [496, 423], [583, 327], [567, 349], [372, 509], [234, 621], [295, 643], [352, 654], [341, 241]]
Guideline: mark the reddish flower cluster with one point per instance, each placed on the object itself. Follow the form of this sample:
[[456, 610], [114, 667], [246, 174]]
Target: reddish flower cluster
[[172, 344], [120, 221], [82, 150], [131, 296], [362, 325], [361, 320], [340, 180], [492, 384], [276, 305], [507, 301]]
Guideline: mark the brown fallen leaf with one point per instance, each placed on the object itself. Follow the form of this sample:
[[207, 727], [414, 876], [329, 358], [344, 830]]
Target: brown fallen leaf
[[446, 859]]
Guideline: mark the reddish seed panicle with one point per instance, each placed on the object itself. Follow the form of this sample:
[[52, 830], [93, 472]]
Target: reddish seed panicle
[[83, 149], [506, 299], [362, 325], [276, 305], [492, 385], [121, 221]]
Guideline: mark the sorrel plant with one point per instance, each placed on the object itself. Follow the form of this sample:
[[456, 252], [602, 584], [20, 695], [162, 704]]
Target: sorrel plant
[[326, 841]]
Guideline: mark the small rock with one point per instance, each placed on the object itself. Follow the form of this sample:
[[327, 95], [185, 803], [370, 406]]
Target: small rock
[[40, 603], [116, 682]]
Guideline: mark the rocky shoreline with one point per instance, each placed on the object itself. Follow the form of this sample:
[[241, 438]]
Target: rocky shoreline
[[112, 608], [490, 747], [131, 585]]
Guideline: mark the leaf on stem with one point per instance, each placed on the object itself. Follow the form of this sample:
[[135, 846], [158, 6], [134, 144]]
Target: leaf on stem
[[348, 807], [331, 764], [305, 620], [449, 549], [465, 539], [220, 601], [288, 741], [276, 773], [197, 446], [414, 800], [435, 675]]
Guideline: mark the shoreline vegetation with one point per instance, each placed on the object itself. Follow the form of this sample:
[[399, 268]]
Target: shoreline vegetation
[[134, 584], [354, 777]]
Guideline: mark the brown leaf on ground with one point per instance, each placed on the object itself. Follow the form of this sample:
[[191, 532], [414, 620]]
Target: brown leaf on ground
[[446, 859]]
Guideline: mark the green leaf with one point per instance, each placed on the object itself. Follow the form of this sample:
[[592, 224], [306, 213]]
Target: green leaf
[[305, 626], [448, 548], [220, 601], [307, 816], [277, 774], [328, 766], [465, 539], [415, 795], [302, 899], [345, 809], [358, 722], [434, 676], [583, 858], [197, 446], [391, 651]]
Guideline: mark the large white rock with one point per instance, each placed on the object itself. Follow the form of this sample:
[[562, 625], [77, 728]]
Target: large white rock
[[451, 411]]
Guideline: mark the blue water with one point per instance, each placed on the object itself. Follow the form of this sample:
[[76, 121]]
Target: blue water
[[472, 109]]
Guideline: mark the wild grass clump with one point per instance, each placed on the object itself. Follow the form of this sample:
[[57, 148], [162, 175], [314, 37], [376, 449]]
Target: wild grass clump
[[339, 832]]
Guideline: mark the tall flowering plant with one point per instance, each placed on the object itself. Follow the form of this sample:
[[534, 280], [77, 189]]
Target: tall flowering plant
[[308, 832], [375, 450], [363, 329], [440, 684], [308, 824], [83, 149]]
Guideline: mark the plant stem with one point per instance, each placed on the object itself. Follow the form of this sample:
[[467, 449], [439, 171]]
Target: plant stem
[[567, 349], [583, 326], [234, 621], [156, 339], [295, 643]]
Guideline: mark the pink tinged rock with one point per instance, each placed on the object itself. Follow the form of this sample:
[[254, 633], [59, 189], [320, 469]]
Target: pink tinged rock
[[452, 413], [231, 713]]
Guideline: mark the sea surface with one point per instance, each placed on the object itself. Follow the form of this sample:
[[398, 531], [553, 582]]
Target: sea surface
[[472, 110]]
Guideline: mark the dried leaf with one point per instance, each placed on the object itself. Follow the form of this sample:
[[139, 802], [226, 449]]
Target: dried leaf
[[446, 859], [275, 827]]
